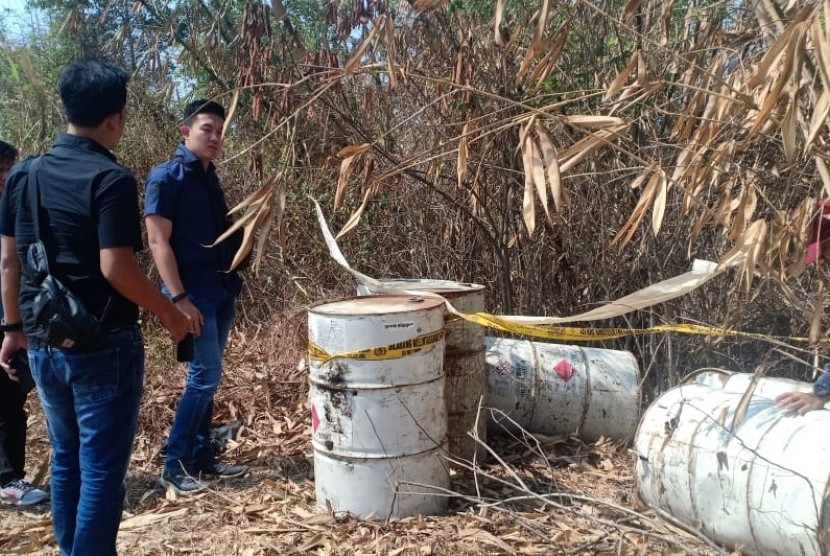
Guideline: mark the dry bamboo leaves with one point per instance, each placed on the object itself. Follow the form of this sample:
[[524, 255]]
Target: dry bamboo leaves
[[551, 49], [747, 250], [261, 212], [542, 174], [654, 195], [499, 35], [354, 61], [349, 155], [463, 155]]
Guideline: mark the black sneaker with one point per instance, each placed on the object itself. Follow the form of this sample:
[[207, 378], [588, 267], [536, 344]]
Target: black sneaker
[[183, 485], [220, 470]]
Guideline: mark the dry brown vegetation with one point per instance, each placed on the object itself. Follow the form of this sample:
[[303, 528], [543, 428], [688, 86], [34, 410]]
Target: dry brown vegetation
[[562, 154]]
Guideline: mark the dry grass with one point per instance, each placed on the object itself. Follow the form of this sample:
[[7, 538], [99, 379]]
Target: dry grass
[[579, 499]]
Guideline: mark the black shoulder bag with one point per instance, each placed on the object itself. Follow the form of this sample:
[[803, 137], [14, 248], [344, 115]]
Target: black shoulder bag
[[62, 315]]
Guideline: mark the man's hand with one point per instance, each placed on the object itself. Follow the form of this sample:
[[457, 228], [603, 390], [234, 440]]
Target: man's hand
[[194, 316], [12, 343], [801, 402], [176, 323]]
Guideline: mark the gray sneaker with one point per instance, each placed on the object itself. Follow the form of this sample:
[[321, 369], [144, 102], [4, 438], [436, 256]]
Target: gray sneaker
[[22, 493], [221, 470], [183, 485]]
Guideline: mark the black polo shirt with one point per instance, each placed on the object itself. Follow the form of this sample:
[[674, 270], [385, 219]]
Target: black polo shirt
[[89, 202]]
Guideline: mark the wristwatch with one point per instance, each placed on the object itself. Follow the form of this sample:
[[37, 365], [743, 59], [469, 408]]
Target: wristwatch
[[11, 327]]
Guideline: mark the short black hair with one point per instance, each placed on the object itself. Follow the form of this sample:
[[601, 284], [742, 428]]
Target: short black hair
[[202, 106], [7, 152], [91, 90]]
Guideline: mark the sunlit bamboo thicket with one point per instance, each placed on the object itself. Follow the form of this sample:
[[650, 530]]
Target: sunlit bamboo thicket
[[562, 153]]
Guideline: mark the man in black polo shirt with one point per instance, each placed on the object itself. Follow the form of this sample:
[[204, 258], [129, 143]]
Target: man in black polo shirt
[[90, 226]]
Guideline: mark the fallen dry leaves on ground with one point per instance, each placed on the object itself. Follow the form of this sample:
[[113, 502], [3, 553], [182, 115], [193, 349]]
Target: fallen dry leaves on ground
[[576, 498]]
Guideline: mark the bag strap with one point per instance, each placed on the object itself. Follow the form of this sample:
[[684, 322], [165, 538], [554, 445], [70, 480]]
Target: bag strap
[[34, 206]]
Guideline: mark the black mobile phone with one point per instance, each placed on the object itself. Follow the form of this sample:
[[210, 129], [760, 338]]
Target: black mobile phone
[[184, 349], [20, 363]]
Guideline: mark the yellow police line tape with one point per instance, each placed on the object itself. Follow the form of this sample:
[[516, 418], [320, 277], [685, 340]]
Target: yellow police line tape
[[557, 333], [393, 351], [568, 333]]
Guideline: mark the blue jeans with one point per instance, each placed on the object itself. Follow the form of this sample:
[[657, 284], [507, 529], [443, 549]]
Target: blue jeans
[[188, 448], [91, 402]]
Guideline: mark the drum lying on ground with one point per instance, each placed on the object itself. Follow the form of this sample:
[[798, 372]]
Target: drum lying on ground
[[557, 389], [760, 486]]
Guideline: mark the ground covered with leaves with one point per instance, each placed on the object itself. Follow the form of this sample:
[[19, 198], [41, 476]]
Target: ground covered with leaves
[[533, 495]]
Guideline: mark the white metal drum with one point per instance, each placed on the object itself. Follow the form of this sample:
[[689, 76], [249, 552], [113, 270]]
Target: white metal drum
[[379, 426], [761, 487], [557, 389], [463, 360], [767, 387]]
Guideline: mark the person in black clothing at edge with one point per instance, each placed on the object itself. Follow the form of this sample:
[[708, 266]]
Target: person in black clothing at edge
[[90, 225], [14, 489]]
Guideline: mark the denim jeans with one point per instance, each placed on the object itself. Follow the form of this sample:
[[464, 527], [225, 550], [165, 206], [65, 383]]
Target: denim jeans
[[91, 402], [188, 448]]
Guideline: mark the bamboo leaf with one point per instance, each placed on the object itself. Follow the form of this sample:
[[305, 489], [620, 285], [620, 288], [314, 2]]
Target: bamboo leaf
[[241, 222], [543, 20], [249, 235], [619, 81], [354, 219], [538, 171], [256, 197], [775, 91], [746, 399], [788, 130], [820, 115], [642, 70], [824, 172], [587, 145], [231, 112], [659, 208], [499, 37], [746, 250], [389, 38], [552, 167], [354, 61], [352, 150], [343, 180], [274, 215], [528, 201], [544, 67], [821, 47], [630, 227], [594, 122], [462, 156], [770, 58]]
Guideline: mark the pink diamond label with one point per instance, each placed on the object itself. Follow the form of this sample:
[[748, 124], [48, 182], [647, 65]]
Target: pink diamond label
[[315, 419], [565, 370], [503, 368]]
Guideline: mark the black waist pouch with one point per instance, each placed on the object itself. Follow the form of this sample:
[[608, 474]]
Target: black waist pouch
[[64, 318]]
